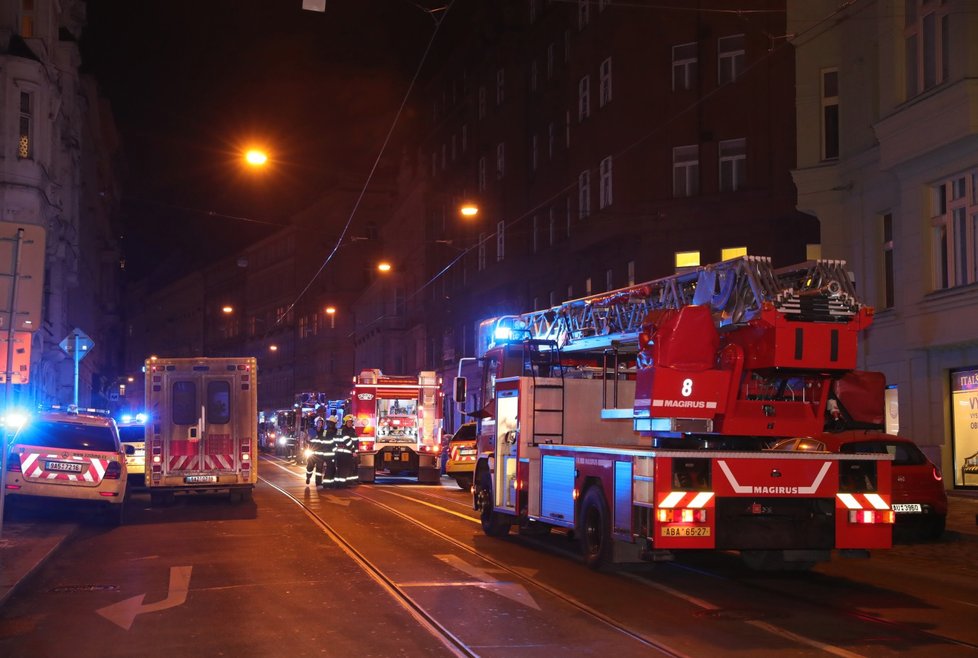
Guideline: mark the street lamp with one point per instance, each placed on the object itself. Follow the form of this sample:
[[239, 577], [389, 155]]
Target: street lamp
[[331, 312], [468, 210], [383, 266], [273, 348], [227, 310], [256, 157]]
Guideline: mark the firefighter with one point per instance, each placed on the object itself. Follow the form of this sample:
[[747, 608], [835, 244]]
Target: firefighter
[[346, 450], [329, 462], [322, 451]]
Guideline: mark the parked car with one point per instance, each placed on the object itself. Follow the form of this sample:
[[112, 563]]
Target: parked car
[[461, 454], [919, 497], [69, 455]]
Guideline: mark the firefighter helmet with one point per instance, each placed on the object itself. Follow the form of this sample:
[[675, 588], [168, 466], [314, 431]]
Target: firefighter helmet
[[332, 419], [348, 417]]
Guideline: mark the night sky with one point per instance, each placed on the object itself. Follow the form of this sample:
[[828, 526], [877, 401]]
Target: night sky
[[192, 82]]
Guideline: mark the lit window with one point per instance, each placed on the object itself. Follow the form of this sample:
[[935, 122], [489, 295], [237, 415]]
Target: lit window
[[732, 252], [927, 44], [584, 194], [684, 60], [631, 273], [733, 161], [26, 123], [583, 98], [685, 170], [604, 86], [687, 259], [830, 114], [587, 286], [730, 58], [604, 190]]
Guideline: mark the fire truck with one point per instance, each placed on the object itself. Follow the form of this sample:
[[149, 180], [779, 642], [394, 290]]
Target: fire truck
[[202, 427], [398, 421], [646, 421]]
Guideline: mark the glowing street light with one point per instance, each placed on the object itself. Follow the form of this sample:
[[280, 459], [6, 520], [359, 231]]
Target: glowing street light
[[384, 266], [468, 210], [273, 348], [331, 312], [227, 310], [256, 157]]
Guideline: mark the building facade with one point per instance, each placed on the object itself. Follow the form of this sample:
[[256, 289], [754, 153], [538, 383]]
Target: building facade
[[59, 160], [889, 164]]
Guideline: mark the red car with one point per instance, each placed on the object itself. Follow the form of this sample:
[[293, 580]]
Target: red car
[[919, 497]]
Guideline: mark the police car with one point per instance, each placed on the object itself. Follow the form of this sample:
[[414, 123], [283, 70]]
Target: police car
[[132, 432], [69, 455]]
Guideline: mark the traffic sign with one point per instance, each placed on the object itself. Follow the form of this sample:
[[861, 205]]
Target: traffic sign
[[21, 262], [79, 340], [21, 370]]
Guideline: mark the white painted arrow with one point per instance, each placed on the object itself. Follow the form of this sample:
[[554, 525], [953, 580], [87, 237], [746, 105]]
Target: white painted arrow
[[124, 613]]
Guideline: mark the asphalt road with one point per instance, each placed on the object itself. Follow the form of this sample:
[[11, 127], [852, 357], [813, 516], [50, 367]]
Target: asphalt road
[[401, 569]]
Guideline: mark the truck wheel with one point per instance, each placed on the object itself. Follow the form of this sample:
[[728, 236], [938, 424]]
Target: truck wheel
[[464, 482], [494, 524], [595, 529]]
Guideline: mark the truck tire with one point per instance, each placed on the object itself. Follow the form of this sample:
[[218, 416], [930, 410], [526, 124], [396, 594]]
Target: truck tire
[[494, 524], [594, 529]]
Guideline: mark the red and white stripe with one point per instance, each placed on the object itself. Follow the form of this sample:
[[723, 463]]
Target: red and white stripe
[[685, 499], [93, 469], [219, 462], [863, 501], [183, 463]]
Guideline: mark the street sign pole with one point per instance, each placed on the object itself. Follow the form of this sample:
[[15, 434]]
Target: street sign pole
[[77, 358], [8, 387]]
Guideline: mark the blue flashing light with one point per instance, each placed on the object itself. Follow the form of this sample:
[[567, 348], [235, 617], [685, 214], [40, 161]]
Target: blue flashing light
[[503, 333], [141, 418], [126, 418], [15, 419]]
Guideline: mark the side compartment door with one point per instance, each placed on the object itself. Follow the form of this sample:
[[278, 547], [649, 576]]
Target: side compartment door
[[507, 446]]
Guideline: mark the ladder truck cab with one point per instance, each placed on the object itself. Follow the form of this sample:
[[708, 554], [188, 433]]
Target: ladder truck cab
[[398, 421], [641, 420], [202, 429]]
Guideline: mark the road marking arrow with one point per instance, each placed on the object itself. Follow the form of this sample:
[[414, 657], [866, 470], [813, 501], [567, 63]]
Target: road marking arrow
[[124, 613], [512, 591]]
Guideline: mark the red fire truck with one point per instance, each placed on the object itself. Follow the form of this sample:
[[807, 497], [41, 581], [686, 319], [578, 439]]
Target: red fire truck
[[398, 420], [642, 420], [202, 429]]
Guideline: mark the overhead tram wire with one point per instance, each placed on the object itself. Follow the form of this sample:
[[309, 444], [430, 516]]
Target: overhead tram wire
[[346, 227]]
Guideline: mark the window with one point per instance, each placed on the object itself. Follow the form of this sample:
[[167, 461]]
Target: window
[[533, 10], [534, 152], [684, 66], [535, 241], [482, 174], [27, 19], [631, 273], [482, 103], [551, 138], [732, 252], [927, 45], [434, 163], [551, 60], [954, 224], [500, 160], [887, 248], [534, 74], [603, 4], [583, 98], [454, 147], [500, 86], [482, 251], [218, 402], [443, 156], [587, 286], [830, 114], [567, 46], [609, 279], [730, 58], [183, 402], [500, 241], [604, 85], [570, 292], [553, 298], [685, 170], [584, 194], [604, 189], [567, 125], [465, 138], [733, 161], [583, 13], [552, 228], [687, 259], [568, 217], [26, 122]]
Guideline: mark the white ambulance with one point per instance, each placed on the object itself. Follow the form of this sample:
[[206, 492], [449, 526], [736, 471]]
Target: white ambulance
[[202, 427]]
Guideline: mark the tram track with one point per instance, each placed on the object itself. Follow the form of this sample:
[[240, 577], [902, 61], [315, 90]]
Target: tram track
[[440, 502]]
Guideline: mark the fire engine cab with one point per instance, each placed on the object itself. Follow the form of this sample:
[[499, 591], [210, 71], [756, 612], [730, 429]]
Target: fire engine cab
[[398, 421], [641, 420]]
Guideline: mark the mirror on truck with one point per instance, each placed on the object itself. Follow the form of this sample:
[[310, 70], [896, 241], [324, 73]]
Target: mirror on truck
[[460, 390]]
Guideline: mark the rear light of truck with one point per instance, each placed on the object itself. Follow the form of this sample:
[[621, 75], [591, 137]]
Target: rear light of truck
[[871, 516], [366, 446], [113, 471], [681, 515]]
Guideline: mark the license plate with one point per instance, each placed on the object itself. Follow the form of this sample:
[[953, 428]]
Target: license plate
[[197, 479], [64, 467], [685, 531], [907, 507]]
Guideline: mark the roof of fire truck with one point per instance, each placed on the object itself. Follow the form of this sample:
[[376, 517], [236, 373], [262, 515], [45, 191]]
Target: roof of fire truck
[[736, 291]]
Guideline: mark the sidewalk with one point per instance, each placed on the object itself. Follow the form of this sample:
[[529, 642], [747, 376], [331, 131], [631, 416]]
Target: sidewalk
[[25, 545]]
